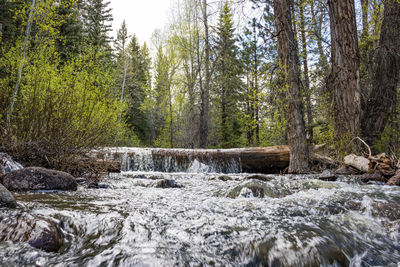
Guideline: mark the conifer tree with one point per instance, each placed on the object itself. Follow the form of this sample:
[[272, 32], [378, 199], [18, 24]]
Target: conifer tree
[[98, 20], [229, 85]]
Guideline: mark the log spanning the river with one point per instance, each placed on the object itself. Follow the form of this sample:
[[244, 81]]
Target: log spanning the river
[[272, 159]]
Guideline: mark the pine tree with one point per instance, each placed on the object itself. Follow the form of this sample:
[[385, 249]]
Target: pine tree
[[137, 83], [229, 85], [71, 30], [122, 61], [98, 20]]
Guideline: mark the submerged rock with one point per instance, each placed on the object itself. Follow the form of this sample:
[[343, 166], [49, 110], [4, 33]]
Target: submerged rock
[[37, 178], [259, 177], [252, 188], [168, 184], [328, 175], [37, 231], [7, 164], [224, 178], [6, 198]]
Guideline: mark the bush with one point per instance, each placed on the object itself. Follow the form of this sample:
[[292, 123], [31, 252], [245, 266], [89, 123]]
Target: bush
[[61, 110]]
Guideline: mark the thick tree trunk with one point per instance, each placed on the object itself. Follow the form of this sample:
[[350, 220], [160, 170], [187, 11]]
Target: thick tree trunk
[[287, 50], [343, 81], [305, 71], [205, 93], [383, 96]]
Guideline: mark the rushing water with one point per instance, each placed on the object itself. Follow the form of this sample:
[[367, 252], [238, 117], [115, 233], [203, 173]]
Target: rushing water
[[281, 221]]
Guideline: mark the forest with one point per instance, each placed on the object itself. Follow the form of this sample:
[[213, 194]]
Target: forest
[[221, 74]]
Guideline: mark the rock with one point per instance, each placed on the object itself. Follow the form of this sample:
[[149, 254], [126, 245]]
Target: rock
[[37, 178], [224, 178], [395, 180], [346, 170], [328, 175], [7, 164], [6, 199], [376, 176], [255, 188], [391, 211], [37, 231], [154, 177], [259, 177], [167, 184], [360, 163]]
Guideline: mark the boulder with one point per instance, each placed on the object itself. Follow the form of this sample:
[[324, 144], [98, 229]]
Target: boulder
[[167, 184], [7, 164], [37, 178], [346, 170], [6, 199], [37, 231], [376, 176], [327, 175]]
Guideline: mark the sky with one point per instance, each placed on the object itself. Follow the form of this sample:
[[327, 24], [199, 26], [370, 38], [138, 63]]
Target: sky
[[142, 16]]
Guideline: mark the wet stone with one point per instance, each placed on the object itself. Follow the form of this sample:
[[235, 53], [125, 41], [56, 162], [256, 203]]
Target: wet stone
[[6, 198], [376, 176], [39, 232], [346, 170], [166, 183], [224, 178], [37, 178], [259, 177], [328, 175], [253, 188]]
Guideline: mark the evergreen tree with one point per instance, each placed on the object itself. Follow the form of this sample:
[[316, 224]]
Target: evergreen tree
[[71, 30], [137, 83], [229, 84], [98, 20]]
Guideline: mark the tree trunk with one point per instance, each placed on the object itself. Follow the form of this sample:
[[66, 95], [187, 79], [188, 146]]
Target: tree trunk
[[305, 71], [287, 50], [386, 67], [206, 91], [343, 81]]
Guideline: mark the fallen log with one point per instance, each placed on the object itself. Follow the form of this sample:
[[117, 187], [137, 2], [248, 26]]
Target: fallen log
[[272, 159]]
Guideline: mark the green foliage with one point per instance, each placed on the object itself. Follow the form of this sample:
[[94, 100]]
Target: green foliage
[[61, 109], [228, 82]]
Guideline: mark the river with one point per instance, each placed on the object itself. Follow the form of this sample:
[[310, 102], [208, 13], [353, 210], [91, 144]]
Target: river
[[216, 219]]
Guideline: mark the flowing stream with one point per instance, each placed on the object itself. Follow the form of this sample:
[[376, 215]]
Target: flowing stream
[[206, 218]]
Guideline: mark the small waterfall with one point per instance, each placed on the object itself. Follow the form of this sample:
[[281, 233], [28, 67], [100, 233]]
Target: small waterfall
[[174, 160]]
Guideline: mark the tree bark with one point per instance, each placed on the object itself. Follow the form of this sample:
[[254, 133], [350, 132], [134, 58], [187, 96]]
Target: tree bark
[[386, 67], [305, 71], [343, 81], [205, 93], [287, 50]]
